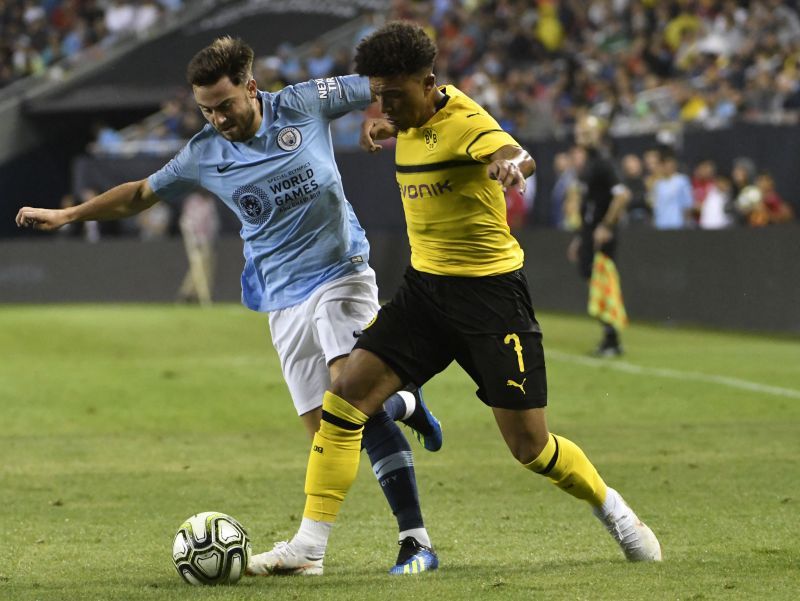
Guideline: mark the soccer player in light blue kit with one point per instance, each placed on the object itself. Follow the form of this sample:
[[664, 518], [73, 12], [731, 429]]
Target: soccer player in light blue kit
[[269, 157]]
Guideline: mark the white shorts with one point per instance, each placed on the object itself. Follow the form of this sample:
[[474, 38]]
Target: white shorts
[[310, 335]]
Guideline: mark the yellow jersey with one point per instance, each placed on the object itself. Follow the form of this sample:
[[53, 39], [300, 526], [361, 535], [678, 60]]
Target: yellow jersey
[[455, 214]]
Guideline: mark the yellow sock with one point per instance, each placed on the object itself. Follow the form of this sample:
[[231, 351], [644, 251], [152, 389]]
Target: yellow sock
[[566, 466], [333, 461]]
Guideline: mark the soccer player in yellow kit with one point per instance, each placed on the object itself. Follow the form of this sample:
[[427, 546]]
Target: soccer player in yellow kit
[[464, 298]]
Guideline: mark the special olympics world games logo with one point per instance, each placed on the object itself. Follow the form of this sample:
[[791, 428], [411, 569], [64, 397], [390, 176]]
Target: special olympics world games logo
[[254, 205]]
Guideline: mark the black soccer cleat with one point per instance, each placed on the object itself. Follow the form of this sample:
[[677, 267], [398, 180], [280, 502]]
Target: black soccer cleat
[[414, 557], [608, 348]]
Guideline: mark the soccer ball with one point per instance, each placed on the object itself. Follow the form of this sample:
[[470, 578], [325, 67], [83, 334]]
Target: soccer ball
[[211, 548]]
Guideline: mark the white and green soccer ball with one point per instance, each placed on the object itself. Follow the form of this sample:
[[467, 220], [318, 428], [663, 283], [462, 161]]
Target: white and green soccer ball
[[211, 548]]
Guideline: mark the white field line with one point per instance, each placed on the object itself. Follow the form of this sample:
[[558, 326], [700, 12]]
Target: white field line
[[673, 374]]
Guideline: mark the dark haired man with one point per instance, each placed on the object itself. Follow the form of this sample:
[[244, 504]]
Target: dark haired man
[[269, 157], [463, 299]]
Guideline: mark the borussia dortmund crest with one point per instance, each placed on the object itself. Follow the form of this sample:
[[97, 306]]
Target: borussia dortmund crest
[[431, 137]]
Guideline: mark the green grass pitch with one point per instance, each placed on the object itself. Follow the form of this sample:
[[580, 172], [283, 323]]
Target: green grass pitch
[[117, 422]]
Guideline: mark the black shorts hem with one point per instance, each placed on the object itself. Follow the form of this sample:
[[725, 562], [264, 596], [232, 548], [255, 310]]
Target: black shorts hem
[[524, 405]]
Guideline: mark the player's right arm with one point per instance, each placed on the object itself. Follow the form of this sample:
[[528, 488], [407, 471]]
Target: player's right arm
[[117, 203]]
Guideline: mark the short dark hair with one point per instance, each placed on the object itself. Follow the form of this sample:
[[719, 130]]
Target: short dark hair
[[397, 48], [226, 56]]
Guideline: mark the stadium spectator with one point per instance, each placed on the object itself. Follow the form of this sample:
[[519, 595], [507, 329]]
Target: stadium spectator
[[120, 17], [290, 69], [268, 71], [744, 192], [639, 211], [199, 225], [703, 180], [772, 208], [564, 168], [320, 62], [147, 14], [107, 140], [757, 202], [519, 204], [153, 224], [672, 195], [714, 211]]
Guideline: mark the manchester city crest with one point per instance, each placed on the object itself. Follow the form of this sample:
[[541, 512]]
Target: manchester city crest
[[289, 139], [253, 203]]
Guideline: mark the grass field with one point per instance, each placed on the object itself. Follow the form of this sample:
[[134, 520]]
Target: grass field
[[116, 423]]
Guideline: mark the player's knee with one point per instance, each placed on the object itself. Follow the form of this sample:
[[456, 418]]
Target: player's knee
[[357, 392], [527, 448]]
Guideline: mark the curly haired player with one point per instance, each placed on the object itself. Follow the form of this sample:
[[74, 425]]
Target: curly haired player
[[464, 298]]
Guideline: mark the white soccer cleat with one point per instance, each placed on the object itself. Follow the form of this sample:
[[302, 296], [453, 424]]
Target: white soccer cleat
[[284, 560], [635, 539]]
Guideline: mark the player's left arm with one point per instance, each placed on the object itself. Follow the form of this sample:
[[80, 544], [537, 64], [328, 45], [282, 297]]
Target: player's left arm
[[329, 97], [604, 231], [620, 197], [510, 166]]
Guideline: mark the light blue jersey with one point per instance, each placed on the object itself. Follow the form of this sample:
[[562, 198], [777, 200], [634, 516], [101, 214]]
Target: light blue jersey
[[299, 231]]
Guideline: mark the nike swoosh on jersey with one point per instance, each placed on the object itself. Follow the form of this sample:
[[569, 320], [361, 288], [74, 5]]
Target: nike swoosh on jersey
[[224, 168], [472, 115]]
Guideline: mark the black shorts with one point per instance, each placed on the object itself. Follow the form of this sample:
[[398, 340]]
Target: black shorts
[[485, 324]]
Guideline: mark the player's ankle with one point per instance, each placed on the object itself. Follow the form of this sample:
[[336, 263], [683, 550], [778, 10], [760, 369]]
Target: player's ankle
[[312, 537]]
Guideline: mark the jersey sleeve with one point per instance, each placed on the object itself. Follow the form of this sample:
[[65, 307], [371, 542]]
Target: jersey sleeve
[[178, 177], [483, 136], [329, 97]]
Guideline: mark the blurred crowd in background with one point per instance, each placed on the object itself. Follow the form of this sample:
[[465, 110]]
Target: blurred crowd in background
[[636, 63], [41, 35], [535, 65], [664, 197]]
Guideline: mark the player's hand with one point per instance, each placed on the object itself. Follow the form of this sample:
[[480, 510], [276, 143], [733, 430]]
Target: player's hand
[[602, 235], [41, 219], [507, 174], [375, 129]]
